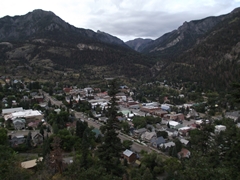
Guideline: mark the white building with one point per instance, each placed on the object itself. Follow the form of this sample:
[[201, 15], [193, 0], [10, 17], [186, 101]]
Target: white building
[[219, 128], [23, 114]]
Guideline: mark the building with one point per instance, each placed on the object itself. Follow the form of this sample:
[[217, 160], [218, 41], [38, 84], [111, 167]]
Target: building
[[139, 132], [27, 114], [156, 142], [219, 128], [184, 153], [11, 110], [148, 136], [166, 107], [167, 145], [130, 156], [149, 109], [174, 117], [17, 140], [173, 124], [235, 115], [37, 138], [19, 123], [160, 113]]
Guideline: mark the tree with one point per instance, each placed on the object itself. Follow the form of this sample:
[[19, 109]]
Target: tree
[[85, 148], [127, 144], [56, 158], [109, 152], [147, 175], [3, 136], [81, 126], [46, 147], [29, 140], [164, 134], [125, 127], [9, 165]]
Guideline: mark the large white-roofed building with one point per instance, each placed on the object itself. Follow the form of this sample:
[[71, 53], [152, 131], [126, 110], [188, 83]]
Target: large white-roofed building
[[27, 114]]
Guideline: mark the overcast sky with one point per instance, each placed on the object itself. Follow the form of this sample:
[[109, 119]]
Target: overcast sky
[[126, 19]]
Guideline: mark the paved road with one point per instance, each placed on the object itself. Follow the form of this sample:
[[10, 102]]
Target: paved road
[[53, 100]]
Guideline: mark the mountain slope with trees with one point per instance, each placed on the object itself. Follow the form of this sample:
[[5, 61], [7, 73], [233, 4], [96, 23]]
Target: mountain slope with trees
[[212, 62], [41, 41]]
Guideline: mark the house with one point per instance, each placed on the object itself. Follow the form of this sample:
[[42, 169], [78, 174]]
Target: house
[[17, 140], [148, 136], [37, 138], [173, 124], [38, 98], [121, 96], [34, 124], [129, 156], [167, 145], [133, 105], [19, 123], [219, 128], [67, 90], [166, 107], [184, 131], [172, 132], [139, 132], [184, 153], [174, 117], [160, 113], [156, 142], [184, 142], [235, 115]]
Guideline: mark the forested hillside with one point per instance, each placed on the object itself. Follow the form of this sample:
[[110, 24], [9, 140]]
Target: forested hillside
[[213, 62]]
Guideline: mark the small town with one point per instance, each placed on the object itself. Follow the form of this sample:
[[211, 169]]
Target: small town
[[31, 115]]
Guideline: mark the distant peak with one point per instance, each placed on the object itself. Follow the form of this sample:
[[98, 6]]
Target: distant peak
[[40, 12]]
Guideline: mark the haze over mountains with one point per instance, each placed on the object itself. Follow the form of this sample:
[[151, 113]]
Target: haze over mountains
[[197, 51]]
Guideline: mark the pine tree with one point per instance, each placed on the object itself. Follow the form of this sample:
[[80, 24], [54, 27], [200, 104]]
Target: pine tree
[[80, 128], [29, 140], [109, 151], [85, 148]]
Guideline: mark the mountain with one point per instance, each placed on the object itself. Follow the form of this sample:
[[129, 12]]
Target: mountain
[[212, 60], [137, 43], [180, 40], [45, 24], [45, 43]]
